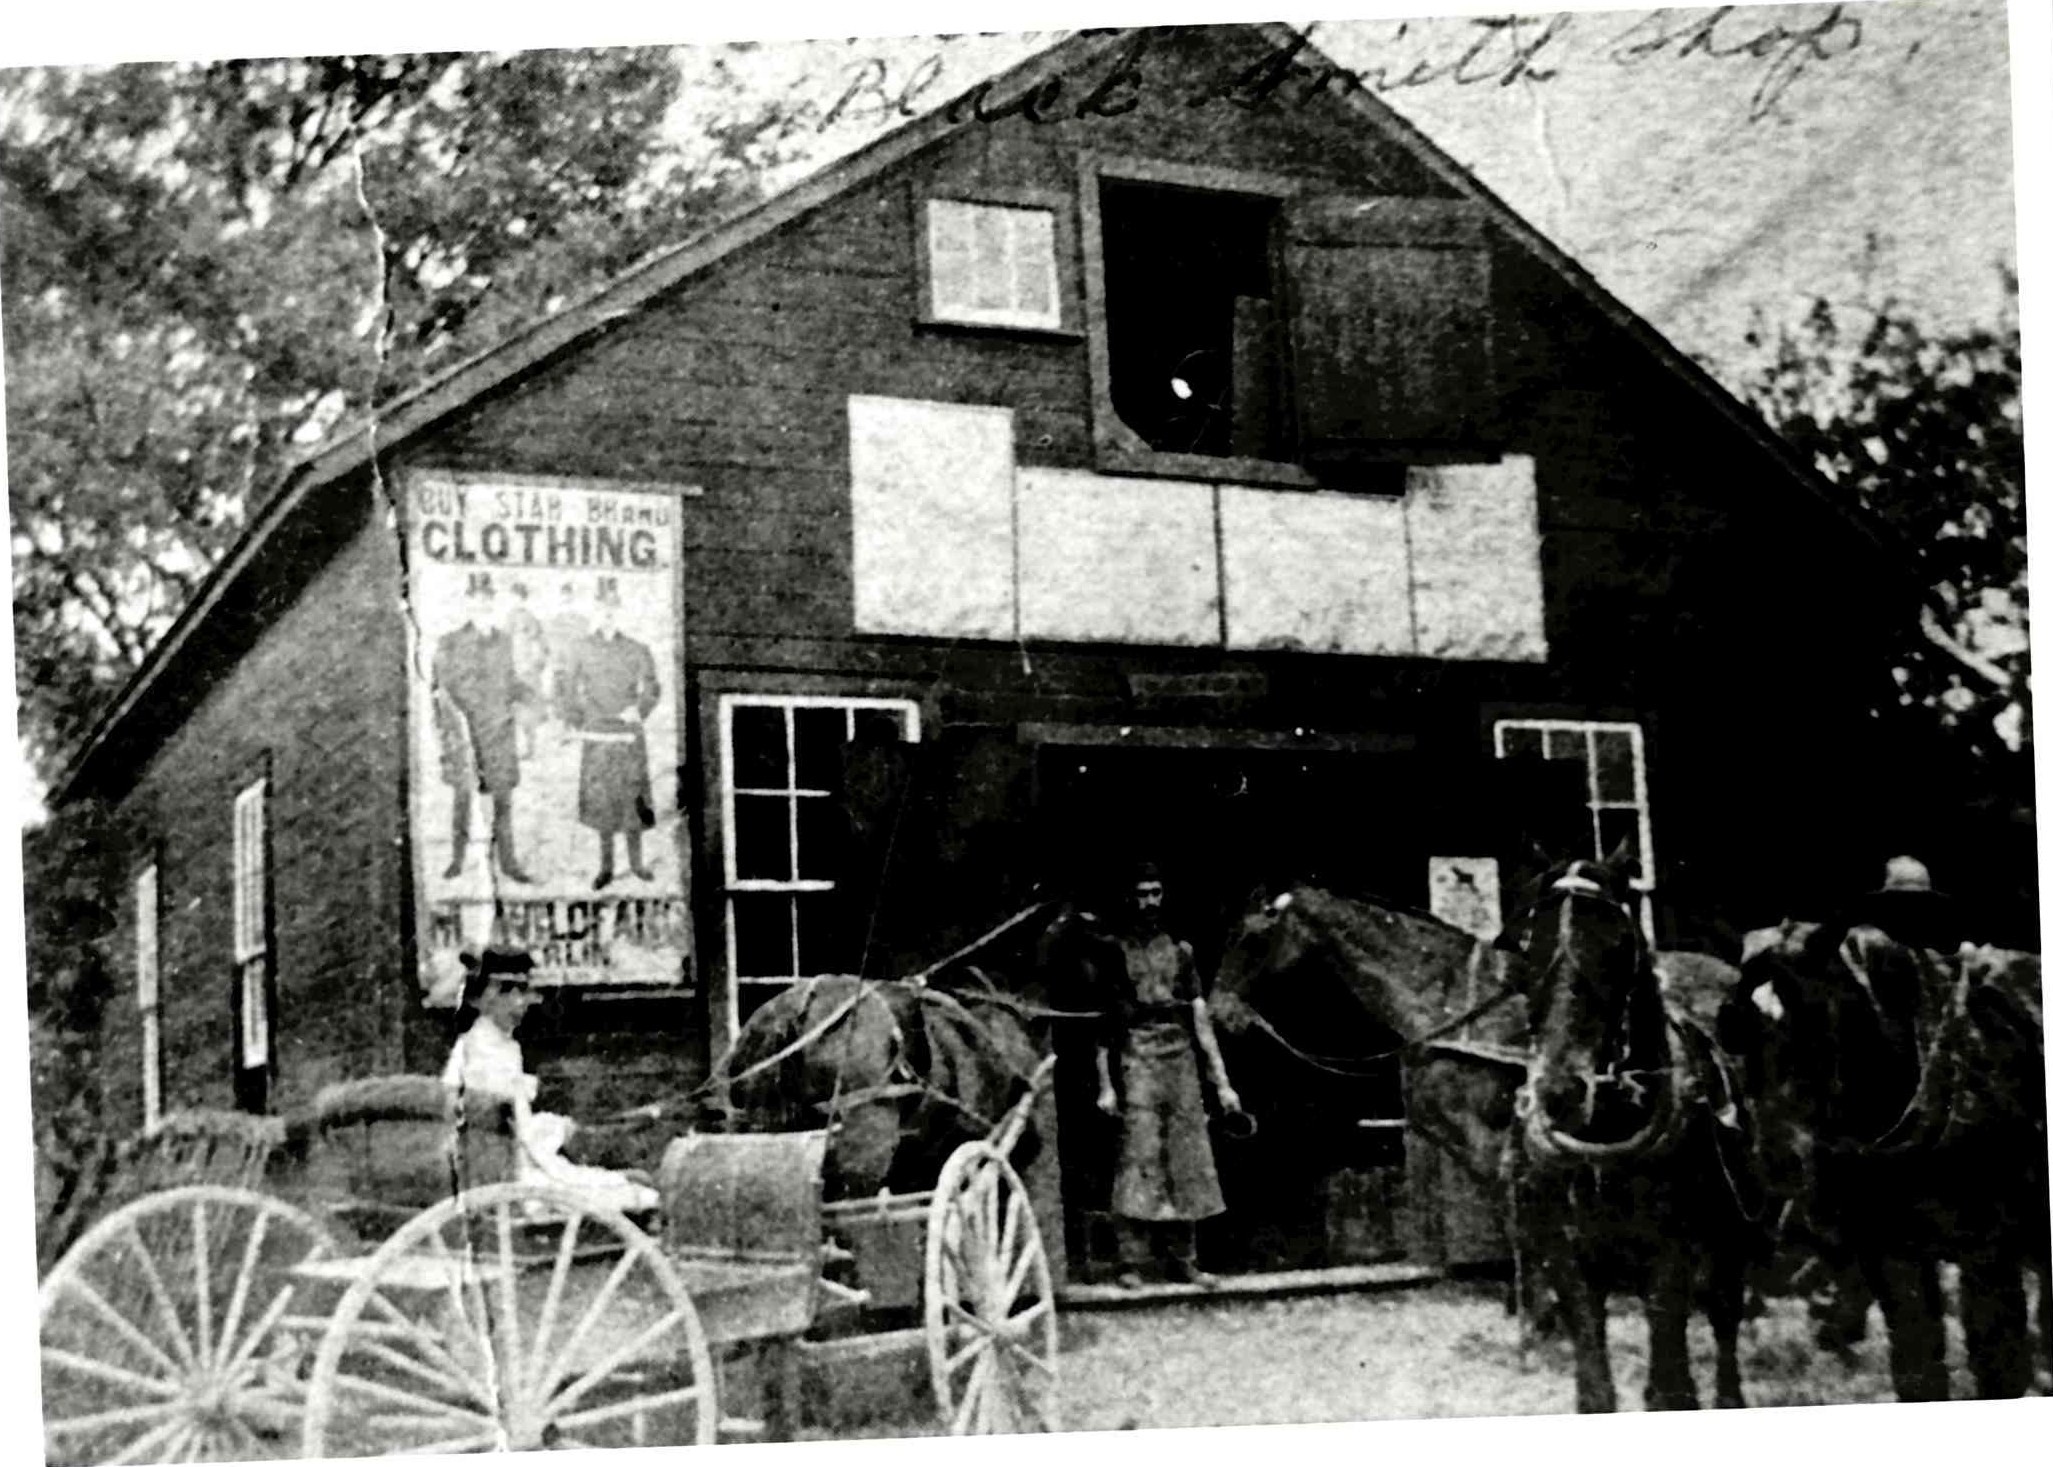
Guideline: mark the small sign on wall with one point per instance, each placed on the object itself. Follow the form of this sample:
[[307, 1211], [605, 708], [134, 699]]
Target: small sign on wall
[[1465, 893]]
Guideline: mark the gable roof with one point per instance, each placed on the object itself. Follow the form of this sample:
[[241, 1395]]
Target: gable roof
[[363, 441]]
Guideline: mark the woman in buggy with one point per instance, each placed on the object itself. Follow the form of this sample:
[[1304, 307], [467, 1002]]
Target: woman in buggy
[[497, 993]]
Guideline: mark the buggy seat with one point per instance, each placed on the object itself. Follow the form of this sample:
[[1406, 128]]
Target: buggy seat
[[394, 1144]]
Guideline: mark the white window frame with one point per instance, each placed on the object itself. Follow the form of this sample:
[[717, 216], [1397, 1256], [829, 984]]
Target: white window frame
[[733, 882], [147, 995], [1029, 236], [1589, 729], [252, 920]]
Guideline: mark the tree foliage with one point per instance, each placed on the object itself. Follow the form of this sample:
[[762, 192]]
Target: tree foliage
[[1925, 431], [71, 872], [207, 266]]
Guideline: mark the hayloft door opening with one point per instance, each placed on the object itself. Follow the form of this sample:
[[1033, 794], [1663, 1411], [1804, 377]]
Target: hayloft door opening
[[1191, 319]]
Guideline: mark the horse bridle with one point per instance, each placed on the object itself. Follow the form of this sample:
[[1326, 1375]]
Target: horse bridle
[[1664, 1125]]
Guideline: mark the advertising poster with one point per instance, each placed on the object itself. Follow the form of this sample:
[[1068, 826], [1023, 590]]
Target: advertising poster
[[545, 730]]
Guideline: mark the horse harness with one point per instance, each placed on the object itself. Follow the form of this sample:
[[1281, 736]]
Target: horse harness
[[1928, 1117], [1673, 1103]]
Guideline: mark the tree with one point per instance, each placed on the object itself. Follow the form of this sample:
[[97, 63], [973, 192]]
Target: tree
[[71, 872], [208, 266], [1926, 433]]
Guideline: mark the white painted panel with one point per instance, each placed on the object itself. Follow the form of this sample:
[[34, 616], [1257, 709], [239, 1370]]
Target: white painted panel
[[1118, 560], [931, 496], [1316, 572], [1475, 561]]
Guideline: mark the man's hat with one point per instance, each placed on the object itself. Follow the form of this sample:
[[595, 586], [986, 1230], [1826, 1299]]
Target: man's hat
[[1144, 872], [1907, 876], [1909, 907]]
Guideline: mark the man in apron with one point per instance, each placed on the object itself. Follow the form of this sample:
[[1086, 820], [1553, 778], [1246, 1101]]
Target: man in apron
[[1156, 1028]]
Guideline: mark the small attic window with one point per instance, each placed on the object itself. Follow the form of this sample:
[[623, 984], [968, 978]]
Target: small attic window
[[992, 265]]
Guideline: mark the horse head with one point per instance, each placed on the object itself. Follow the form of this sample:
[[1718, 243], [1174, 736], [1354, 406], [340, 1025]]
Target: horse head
[[1602, 1084], [1267, 944]]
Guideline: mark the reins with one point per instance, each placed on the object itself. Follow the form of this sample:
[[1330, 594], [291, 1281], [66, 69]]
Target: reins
[[1434, 1038]]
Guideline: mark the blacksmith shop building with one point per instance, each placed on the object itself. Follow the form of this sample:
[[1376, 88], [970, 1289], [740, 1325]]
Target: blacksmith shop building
[[1102, 467]]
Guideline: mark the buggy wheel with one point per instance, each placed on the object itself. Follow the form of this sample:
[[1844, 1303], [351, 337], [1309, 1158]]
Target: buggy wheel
[[511, 1318], [990, 1300], [163, 1331]]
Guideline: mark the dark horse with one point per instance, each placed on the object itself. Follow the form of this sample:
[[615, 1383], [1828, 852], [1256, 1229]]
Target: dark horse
[[908, 1069], [905, 1071], [1633, 1143], [1902, 1096], [1451, 998]]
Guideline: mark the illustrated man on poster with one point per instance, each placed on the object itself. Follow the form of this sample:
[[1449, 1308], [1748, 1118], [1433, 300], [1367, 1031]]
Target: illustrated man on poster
[[530, 666], [613, 690], [563, 634], [476, 710]]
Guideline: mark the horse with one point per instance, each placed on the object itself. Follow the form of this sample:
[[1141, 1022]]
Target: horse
[[1448, 996], [1633, 1143], [905, 1073], [1903, 1106]]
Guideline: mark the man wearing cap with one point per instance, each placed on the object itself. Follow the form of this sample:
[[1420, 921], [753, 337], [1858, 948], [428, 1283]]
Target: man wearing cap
[[1909, 909], [613, 690], [1157, 1028], [476, 693]]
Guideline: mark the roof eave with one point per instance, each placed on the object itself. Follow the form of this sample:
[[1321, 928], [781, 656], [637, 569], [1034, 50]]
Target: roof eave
[[370, 436]]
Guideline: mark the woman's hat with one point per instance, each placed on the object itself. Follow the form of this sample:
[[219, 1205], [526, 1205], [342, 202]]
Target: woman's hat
[[509, 967]]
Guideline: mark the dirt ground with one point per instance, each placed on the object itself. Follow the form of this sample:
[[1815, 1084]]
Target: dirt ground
[[1448, 1350]]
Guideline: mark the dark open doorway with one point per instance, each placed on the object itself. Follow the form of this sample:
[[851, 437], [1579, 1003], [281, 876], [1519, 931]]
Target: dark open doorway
[[1227, 826]]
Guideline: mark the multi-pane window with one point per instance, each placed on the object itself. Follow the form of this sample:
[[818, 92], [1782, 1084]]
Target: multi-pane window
[[806, 784], [992, 265], [146, 994], [1613, 758], [253, 926]]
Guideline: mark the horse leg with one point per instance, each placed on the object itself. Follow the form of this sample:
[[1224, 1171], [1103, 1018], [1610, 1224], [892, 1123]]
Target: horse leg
[[1582, 1300], [1670, 1387], [1725, 1304], [1913, 1309], [1839, 1312], [1992, 1315]]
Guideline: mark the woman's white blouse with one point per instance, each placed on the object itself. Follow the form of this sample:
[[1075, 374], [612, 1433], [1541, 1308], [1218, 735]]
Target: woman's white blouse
[[488, 1059]]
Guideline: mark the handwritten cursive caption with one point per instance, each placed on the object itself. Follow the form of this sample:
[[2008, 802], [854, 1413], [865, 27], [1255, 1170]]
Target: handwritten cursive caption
[[1500, 50]]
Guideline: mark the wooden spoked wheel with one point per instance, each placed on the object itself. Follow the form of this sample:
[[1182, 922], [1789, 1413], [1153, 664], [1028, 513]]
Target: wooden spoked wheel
[[161, 1338], [990, 1300], [511, 1318]]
